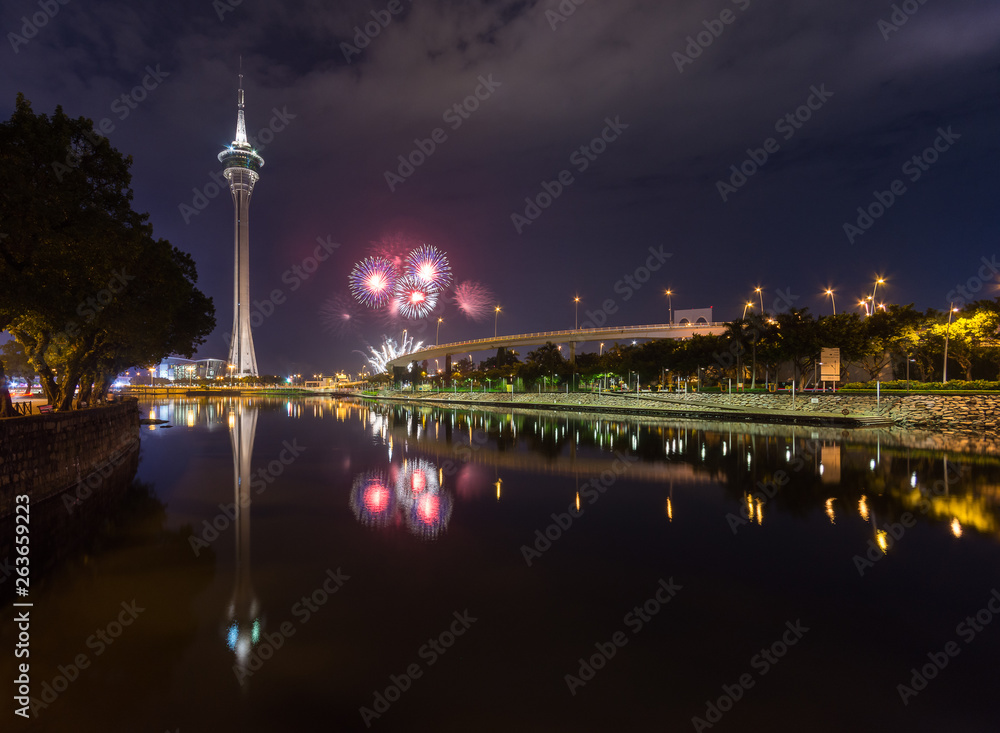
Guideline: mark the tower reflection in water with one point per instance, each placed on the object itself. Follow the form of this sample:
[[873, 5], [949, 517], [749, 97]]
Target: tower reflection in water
[[244, 621]]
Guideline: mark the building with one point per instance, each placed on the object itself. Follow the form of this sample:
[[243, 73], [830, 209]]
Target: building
[[693, 316], [180, 370], [242, 167]]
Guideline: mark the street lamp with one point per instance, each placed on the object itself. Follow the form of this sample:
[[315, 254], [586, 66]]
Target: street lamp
[[863, 304], [495, 317], [604, 378], [748, 305], [944, 374], [760, 292], [829, 292], [576, 313], [437, 336], [670, 304], [878, 281]]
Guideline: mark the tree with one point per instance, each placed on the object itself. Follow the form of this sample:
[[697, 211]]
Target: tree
[[799, 340], [90, 290], [544, 361], [887, 333]]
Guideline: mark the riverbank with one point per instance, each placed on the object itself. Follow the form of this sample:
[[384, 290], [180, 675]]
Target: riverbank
[[940, 413]]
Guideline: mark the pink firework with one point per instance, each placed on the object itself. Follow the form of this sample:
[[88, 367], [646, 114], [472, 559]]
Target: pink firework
[[341, 315], [373, 281], [414, 299], [474, 300], [429, 266]]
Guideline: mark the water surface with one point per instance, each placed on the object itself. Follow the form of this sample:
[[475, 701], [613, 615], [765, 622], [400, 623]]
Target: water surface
[[300, 565]]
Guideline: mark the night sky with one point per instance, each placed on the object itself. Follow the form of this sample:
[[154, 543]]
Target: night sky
[[680, 91]]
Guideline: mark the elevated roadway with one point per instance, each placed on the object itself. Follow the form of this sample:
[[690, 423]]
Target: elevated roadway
[[571, 337]]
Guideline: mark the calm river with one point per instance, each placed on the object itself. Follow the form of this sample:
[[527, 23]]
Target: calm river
[[321, 565]]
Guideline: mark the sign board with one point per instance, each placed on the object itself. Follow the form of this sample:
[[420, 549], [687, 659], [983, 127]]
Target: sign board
[[829, 365]]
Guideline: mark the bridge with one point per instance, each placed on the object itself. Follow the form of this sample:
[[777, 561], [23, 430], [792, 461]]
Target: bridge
[[572, 337]]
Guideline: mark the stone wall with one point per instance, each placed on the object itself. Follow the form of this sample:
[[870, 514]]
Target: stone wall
[[43, 455], [939, 413]]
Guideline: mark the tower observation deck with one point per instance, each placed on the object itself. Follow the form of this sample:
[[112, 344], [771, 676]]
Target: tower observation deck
[[242, 167]]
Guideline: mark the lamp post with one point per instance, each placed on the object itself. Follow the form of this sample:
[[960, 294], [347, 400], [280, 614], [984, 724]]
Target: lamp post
[[829, 292], [878, 281], [604, 378], [748, 305], [495, 318], [576, 313], [760, 292], [947, 333], [670, 304], [437, 336]]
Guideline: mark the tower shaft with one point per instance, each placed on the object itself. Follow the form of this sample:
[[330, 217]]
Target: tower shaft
[[241, 351]]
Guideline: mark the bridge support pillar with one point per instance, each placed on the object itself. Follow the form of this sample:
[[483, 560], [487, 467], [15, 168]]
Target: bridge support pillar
[[572, 352], [447, 370]]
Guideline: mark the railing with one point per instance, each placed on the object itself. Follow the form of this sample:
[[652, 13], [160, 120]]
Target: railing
[[574, 332]]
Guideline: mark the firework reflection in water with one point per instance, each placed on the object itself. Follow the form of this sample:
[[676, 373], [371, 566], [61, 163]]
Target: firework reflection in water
[[372, 501]]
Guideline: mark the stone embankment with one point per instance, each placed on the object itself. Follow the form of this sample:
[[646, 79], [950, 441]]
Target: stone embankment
[[43, 455], [946, 413]]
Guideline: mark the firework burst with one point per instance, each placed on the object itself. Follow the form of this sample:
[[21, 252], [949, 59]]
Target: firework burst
[[474, 300], [390, 350], [373, 281], [429, 266], [414, 298], [341, 315]]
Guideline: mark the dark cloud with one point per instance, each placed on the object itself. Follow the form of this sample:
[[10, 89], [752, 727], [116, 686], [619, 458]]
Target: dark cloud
[[348, 116]]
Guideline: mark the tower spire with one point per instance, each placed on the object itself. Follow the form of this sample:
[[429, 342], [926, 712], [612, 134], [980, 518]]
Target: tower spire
[[241, 127]]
